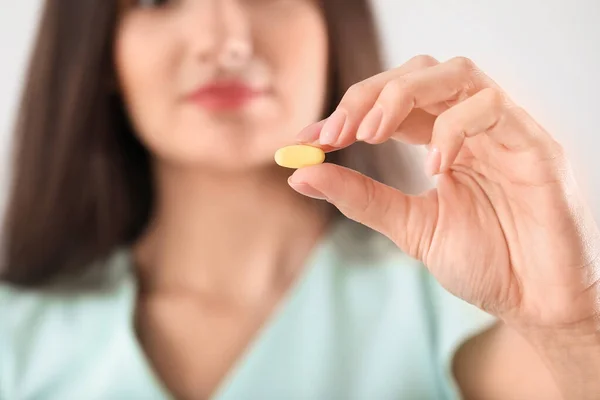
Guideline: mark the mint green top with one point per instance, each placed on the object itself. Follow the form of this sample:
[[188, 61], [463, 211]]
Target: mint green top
[[350, 329]]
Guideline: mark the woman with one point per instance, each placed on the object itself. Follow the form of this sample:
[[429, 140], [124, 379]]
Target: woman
[[154, 249]]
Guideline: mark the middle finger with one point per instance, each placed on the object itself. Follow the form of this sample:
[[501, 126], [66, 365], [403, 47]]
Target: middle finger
[[443, 84], [340, 128]]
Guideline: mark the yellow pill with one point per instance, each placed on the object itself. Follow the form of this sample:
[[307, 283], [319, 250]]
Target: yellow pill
[[298, 156]]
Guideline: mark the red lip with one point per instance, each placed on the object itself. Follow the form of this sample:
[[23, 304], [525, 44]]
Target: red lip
[[223, 95]]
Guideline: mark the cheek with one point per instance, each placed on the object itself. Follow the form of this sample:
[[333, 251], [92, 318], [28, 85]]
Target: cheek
[[143, 70], [302, 72]]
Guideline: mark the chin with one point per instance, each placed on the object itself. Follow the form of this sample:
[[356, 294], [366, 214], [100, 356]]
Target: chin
[[222, 155], [229, 143]]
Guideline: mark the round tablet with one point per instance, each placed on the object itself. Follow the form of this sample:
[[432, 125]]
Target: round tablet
[[299, 155]]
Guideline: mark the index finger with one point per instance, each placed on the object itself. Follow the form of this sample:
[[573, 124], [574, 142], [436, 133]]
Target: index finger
[[369, 90]]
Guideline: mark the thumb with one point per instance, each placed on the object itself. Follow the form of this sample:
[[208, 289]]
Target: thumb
[[400, 217]]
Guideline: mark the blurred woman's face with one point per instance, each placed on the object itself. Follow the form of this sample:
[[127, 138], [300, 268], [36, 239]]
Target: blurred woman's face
[[221, 83]]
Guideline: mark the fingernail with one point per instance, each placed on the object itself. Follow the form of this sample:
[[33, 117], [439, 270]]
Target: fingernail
[[370, 125], [433, 162], [333, 127], [307, 190], [311, 132]]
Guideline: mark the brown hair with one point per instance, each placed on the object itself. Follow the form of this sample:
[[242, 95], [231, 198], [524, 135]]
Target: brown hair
[[81, 185]]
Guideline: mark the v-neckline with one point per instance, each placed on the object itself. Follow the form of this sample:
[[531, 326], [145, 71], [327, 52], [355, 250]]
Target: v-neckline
[[258, 340]]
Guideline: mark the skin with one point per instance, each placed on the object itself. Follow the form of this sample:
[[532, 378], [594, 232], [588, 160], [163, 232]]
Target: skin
[[215, 177], [505, 229]]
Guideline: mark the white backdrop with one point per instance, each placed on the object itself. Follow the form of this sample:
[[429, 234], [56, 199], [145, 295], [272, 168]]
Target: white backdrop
[[545, 53]]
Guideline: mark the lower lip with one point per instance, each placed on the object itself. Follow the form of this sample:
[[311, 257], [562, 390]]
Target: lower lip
[[224, 99]]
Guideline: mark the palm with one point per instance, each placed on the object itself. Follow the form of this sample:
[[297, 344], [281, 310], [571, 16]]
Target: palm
[[502, 239]]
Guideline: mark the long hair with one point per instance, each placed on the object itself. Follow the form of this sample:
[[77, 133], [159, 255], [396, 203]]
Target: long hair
[[81, 184]]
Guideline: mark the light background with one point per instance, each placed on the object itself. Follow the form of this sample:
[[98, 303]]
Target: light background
[[545, 53]]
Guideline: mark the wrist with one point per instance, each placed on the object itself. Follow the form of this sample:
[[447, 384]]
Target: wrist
[[572, 354], [584, 335]]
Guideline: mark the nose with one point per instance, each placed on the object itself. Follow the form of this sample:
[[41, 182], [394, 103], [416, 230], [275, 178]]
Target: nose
[[219, 32]]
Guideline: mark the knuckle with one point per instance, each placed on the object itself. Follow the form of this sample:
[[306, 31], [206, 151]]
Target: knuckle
[[447, 122], [353, 95], [356, 90], [495, 99], [396, 86], [424, 61], [473, 77], [552, 150], [370, 192], [522, 115], [558, 151], [521, 119], [378, 207], [553, 155], [464, 63]]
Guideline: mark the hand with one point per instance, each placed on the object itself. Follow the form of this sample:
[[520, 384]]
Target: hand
[[505, 229]]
